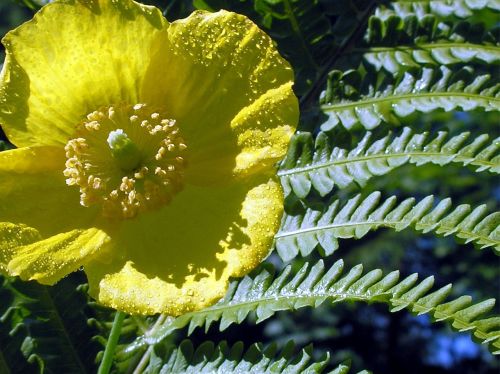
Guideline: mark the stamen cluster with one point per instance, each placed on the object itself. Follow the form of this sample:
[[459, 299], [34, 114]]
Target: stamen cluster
[[141, 172]]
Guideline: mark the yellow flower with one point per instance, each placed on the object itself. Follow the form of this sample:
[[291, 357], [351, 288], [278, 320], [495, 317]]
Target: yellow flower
[[146, 151]]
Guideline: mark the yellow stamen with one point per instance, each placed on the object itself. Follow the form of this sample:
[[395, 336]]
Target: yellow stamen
[[127, 158]]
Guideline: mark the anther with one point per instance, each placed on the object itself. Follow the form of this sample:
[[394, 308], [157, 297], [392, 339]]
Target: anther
[[127, 158]]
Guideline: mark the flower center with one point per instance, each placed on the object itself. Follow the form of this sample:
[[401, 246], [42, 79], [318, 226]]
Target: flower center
[[127, 158]]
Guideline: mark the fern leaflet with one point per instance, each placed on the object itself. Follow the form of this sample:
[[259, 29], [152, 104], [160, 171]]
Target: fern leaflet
[[398, 44], [266, 293], [222, 358], [320, 166], [351, 99], [44, 329], [443, 8], [404, 57], [302, 233]]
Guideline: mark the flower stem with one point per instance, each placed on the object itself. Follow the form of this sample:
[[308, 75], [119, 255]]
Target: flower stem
[[109, 351]]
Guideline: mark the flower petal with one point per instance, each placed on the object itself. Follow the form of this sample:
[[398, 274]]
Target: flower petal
[[221, 78], [72, 58], [14, 236], [45, 232], [49, 260], [261, 145], [205, 236], [33, 192]]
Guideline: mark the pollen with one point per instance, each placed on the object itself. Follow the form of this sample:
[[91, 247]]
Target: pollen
[[126, 158]]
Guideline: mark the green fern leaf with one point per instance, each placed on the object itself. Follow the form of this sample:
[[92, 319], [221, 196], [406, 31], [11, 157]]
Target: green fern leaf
[[320, 166], [302, 233], [398, 44], [414, 30], [43, 329], [352, 99], [400, 58], [266, 293], [222, 358], [443, 8]]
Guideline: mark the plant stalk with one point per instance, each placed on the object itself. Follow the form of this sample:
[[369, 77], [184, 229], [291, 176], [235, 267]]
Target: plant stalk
[[109, 351]]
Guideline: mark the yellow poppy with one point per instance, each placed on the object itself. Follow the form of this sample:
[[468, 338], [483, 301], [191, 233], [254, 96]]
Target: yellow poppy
[[146, 151]]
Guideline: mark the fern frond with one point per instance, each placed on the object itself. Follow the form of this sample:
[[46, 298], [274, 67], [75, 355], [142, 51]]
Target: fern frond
[[414, 30], [398, 44], [352, 99], [401, 58], [443, 8], [56, 329], [266, 293], [302, 233], [44, 329], [222, 358], [318, 165]]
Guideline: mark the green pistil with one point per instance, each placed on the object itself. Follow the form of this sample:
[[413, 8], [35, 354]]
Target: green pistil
[[124, 151]]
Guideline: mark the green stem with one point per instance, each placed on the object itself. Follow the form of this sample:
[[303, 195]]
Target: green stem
[[107, 359]]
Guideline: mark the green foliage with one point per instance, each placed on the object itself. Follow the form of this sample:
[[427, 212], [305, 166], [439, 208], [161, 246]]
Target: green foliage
[[58, 329], [44, 329], [362, 68], [397, 44], [301, 233], [222, 358], [266, 293], [33, 4], [395, 59], [317, 164], [369, 99], [442, 8], [100, 319]]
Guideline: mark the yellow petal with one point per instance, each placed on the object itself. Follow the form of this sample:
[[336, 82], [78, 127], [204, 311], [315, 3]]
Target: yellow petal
[[48, 260], [33, 192], [221, 76], [194, 246], [45, 233], [72, 58], [261, 143], [14, 236]]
